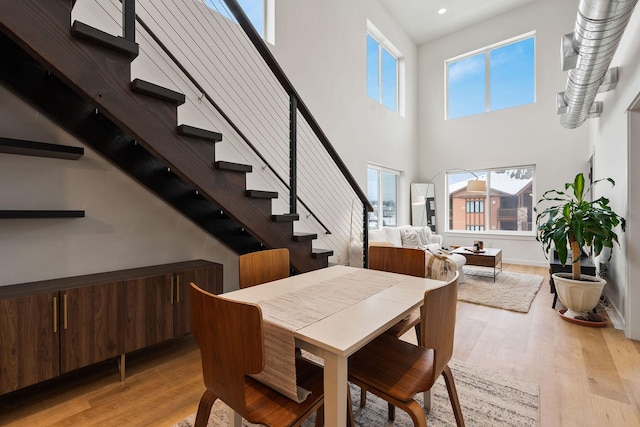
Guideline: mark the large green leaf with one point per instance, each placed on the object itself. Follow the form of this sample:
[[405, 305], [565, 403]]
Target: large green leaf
[[572, 218]]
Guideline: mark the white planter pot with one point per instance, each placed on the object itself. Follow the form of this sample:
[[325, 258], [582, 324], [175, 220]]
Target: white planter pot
[[579, 296]]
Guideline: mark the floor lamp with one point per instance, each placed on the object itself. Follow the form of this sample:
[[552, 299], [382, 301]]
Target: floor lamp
[[423, 204]]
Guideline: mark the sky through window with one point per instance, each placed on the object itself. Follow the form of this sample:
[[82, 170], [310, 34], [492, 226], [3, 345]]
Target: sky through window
[[254, 9], [497, 78]]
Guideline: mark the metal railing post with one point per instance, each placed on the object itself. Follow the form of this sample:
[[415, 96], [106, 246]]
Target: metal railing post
[[293, 152], [365, 237], [129, 20]]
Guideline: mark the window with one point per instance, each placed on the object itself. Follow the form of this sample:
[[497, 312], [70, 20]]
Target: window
[[497, 77], [259, 12], [507, 206], [382, 191], [475, 206], [383, 70]]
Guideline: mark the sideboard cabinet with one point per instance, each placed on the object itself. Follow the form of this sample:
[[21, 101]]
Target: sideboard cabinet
[[29, 340], [55, 326], [157, 307]]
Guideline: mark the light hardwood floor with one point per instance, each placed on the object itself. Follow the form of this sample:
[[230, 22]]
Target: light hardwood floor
[[587, 376]]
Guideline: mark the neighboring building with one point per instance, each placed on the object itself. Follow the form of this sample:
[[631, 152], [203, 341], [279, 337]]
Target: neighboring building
[[510, 201]]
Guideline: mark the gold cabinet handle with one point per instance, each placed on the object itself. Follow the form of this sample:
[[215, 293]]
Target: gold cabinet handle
[[64, 311], [171, 290], [178, 289], [55, 315]]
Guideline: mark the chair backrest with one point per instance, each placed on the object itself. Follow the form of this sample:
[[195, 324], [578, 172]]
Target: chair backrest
[[229, 334], [439, 322], [263, 266], [409, 261]]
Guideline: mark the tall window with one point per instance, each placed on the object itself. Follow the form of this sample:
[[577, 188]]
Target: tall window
[[383, 70], [382, 191], [497, 77], [506, 206], [258, 12]]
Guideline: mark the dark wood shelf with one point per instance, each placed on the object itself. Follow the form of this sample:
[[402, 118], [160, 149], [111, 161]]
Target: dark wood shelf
[[26, 214], [40, 149]]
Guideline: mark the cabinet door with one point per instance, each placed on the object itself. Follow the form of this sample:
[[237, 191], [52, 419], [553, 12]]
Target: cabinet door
[[29, 349], [148, 311], [90, 325], [208, 278]]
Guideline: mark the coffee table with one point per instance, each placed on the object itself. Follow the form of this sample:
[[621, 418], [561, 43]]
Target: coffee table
[[488, 257]]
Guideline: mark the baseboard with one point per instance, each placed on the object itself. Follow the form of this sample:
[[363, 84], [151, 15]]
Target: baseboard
[[526, 262], [617, 321]]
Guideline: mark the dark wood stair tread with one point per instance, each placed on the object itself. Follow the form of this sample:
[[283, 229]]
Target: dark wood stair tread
[[285, 217], [258, 194], [17, 214], [304, 237], [156, 91], [40, 149], [234, 167], [99, 37], [317, 252], [199, 133]]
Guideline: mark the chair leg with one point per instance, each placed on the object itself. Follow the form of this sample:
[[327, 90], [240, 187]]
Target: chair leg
[[453, 395], [418, 333], [204, 408], [392, 412], [363, 397], [416, 413], [426, 397]]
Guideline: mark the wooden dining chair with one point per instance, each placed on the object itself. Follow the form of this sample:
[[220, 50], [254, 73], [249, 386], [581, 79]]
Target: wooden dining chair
[[230, 336], [263, 266], [407, 261], [396, 370]]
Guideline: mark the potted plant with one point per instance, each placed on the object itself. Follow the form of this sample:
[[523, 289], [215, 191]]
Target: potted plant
[[576, 223]]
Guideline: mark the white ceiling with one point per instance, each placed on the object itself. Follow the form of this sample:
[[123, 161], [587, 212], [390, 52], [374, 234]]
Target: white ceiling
[[421, 20]]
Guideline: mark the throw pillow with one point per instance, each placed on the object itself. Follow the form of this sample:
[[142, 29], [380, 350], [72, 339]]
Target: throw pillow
[[424, 234], [377, 235], [409, 239]]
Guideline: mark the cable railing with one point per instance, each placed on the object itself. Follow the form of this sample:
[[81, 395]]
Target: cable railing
[[232, 89]]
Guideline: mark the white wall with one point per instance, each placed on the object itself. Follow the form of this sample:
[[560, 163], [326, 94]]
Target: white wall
[[630, 240], [321, 45], [529, 134], [617, 155], [125, 225]]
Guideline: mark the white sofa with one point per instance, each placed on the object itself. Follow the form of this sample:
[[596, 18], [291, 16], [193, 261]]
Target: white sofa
[[409, 237]]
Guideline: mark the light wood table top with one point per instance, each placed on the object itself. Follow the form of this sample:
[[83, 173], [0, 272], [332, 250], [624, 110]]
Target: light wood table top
[[336, 336]]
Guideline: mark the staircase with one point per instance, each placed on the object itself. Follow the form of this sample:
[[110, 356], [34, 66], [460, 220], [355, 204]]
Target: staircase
[[80, 77]]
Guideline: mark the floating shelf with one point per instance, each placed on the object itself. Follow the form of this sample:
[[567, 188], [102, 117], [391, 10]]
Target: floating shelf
[[40, 149], [6, 214]]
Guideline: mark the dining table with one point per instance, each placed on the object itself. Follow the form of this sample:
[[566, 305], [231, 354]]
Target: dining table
[[331, 313]]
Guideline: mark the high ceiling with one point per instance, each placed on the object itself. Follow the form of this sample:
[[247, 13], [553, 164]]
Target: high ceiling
[[421, 20]]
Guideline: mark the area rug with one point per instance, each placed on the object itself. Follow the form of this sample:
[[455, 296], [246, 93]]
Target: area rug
[[510, 291], [488, 399]]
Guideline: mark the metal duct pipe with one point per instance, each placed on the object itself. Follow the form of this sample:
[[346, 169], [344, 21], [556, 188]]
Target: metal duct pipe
[[598, 30]]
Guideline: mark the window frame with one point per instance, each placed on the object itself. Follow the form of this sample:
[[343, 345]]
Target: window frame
[[385, 45], [487, 203], [486, 51], [379, 183]]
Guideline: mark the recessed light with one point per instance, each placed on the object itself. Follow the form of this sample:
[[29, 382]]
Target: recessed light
[[442, 11]]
